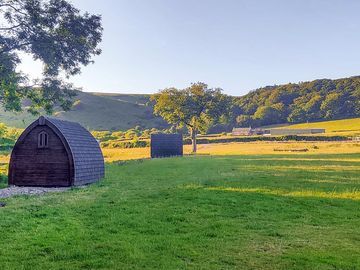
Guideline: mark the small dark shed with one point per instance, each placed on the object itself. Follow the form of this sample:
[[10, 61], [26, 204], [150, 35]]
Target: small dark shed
[[166, 145], [52, 152]]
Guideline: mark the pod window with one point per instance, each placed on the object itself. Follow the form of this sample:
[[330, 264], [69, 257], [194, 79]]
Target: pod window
[[43, 140]]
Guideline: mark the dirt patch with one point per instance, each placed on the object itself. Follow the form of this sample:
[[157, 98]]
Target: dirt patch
[[14, 190]]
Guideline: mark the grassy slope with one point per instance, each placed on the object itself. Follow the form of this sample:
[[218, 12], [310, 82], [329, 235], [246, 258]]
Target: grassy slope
[[111, 111], [225, 212], [102, 112], [335, 127], [99, 112], [19, 120], [140, 99]]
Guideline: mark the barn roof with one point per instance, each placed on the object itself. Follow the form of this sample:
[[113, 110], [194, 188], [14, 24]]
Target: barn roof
[[85, 150]]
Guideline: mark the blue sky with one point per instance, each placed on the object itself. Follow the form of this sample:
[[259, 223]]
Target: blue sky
[[236, 45]]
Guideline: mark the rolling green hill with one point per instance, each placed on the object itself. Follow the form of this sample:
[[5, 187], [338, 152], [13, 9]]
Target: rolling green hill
[[98, 111], [318, 100], [344, 127]]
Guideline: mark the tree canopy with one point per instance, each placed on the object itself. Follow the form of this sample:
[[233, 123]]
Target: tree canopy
[[57, 34], [294, 103], [196, 107]]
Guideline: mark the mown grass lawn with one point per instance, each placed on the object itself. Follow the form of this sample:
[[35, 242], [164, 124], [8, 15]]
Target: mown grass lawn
[[224, 212]]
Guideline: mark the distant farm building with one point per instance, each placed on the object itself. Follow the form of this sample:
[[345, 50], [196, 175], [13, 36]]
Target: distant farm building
[[242, 131], [293, 131], [246, 131], [52, 152], [275, 131], [166, 145]]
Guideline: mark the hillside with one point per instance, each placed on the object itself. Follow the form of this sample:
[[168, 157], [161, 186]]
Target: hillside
[[344, 127], [312, 101], [98, 111], [319, 100]]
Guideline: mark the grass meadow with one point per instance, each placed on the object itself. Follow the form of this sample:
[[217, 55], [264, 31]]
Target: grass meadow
[[344, 127], [249, 148], [235, 206]]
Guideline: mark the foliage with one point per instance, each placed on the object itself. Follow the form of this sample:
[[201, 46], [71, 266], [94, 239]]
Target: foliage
[[266, 114], [58, 35], [338, 130], [307, 102], [196, 107], [244, 120], [102, 135], [187, 141], [125, 144], [130, 134], [3, 130], [8, 136], [295, 103], [131, 138], [228, 212]]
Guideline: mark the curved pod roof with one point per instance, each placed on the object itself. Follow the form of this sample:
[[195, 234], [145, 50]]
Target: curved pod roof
[[84, 152]]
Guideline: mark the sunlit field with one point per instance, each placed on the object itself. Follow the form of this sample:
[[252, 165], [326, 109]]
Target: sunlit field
[[344, 127], [250, 148], [258, 205], [221, 149], [244, 211]]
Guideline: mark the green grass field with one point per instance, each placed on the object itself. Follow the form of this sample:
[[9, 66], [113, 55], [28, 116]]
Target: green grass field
[[210, 212], [345, 127]]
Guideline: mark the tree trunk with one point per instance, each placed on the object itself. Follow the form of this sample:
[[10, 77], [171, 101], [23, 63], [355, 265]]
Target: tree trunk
[[193, 140]]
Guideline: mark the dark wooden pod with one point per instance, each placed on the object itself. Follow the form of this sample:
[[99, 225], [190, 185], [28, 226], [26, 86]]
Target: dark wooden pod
[[52, 152], [166, 145]]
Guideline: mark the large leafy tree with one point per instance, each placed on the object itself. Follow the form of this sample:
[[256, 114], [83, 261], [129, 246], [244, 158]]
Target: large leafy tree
[[331, 105], [196, 107], [265, 114], [57, 34]]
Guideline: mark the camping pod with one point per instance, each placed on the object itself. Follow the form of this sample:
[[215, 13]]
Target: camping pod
[[166, 145], [55, 153]]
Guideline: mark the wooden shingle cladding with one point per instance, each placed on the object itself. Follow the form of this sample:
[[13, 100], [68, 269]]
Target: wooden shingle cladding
[[71, 157], [39, 166], [166, 145]]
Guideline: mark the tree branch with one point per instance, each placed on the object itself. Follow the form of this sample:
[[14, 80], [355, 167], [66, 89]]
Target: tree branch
[[14, 8], [11, 28], [18, 46], [192, 126]]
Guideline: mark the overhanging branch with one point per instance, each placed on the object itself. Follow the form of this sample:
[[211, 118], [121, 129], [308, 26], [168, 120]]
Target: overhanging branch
[[15, 47], [12, 7], [11, 28]]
